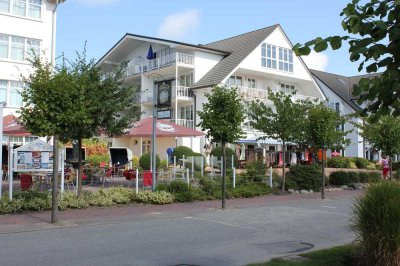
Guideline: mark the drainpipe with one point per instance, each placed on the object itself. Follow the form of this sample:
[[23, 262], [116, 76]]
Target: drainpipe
[[53, 31], [194, 108]]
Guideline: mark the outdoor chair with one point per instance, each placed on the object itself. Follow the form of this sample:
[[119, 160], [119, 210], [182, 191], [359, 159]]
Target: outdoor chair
[[69, 179], [26, 181]]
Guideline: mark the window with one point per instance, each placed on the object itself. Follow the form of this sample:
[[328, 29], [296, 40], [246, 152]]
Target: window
[[286, 88], [337, 107], [18, 48], [4, 42], [269, 58], [16, 139], [235, 81], [19, 7], [34, 8], [23, 8], [187, 112], [15, 93], [251, 83], [5, 6], [30, 139], [186, 80], [3, 90]]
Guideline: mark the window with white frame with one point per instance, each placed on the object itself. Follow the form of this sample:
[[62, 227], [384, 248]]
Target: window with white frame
[[338, 108], [287, 88], [22, 8], [269, 58], [30, 139], [16, 88], [235, 81], [18, 48], [186, 80], [187, 112], [285, 60], [251, 83], [3, 90]]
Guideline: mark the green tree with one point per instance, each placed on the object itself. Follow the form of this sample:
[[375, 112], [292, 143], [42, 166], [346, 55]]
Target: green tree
[[374, 36], [383, 134], [282, 121], [322, 130], [222, 117], [76, 100]]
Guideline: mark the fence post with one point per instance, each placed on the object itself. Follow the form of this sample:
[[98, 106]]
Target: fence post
[[270, 176], [174, 167], [183, 161], [234, 177], [187, 176], [192, 167], [232, 162], [212, 166], [201, 166], [222, 164], [137, 181]]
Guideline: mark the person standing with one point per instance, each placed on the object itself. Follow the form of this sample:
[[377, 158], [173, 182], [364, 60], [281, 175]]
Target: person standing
[[385, 167]]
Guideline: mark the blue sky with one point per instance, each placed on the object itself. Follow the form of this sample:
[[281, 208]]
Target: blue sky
[[103, 22]]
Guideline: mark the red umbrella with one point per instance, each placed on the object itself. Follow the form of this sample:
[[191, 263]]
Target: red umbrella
[[164, 128], [12, 128], [335, 153]]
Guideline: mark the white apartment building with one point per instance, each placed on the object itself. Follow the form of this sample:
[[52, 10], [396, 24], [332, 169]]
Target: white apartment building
[[25, 25], [253, 62]]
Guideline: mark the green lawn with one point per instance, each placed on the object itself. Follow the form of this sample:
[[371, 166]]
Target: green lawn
[[327, 257]]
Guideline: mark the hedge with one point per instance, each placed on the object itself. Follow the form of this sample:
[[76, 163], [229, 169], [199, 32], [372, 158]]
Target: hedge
[[340, 178], [304, 177]]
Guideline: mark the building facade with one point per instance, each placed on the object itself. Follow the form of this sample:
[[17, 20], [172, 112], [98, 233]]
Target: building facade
[[253, 62], [27, 27]]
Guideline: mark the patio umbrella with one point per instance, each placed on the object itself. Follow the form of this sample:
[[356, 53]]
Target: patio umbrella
[[335, 153], [150, 54]]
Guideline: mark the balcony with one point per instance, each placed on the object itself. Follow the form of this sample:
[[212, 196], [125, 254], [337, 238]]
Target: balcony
[[164, 61], [184, 122], [261, 94], [182, 93]]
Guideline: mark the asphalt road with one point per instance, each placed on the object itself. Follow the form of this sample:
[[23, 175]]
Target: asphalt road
[[196, 236]]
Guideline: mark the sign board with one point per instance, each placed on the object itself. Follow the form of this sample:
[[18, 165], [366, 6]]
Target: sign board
[[164, 114], [37, 155], [164, 94]]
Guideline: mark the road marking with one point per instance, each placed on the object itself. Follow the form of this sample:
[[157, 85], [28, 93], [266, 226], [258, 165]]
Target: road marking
[[331, 207]]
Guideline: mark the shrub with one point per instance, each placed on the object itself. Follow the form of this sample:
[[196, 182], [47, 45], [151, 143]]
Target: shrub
[[211, 187], [352, 165], [396, 166], [255, 171], [361, 163], [376, 219], [96, 159], [250, 190], [340, 178], [120, 195], [366, 177], [70, 200], [370, 166], [144, 161], [100, 198], [228, 152], [182, 150], [38, 204], [8, 207], [304, 177], [135, 162], [339, 162], [158, 197]]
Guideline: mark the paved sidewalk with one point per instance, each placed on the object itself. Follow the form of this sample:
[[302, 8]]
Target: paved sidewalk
[[31, 221]]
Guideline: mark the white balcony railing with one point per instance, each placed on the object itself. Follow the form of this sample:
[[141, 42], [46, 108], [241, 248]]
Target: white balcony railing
[[184, 122], [261, 94], [164, 61], [182, 91]]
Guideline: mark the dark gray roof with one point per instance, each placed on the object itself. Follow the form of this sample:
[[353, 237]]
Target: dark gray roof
[[238, 47], [342, 86]]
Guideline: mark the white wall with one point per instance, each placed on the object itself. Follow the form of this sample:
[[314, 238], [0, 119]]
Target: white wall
[[355, 149]]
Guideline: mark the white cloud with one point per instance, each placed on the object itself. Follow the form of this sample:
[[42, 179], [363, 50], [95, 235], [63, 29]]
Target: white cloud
[[180, 25], [97, 2], [318, 61]]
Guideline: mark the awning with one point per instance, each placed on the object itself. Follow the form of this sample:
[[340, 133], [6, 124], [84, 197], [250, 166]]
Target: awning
[[164, 128], [12, 128], [256, 139]]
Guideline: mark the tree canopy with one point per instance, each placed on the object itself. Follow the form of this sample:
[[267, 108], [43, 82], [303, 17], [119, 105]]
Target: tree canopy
[[222, 118], [373, 29], [282, 120], [75, 100]]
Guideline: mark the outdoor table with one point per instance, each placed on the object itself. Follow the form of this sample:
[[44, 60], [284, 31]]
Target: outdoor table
[[41, 178]]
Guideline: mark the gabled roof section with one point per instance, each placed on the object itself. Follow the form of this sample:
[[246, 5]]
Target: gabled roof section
[[340, 85], [239, 48], [157, 40]]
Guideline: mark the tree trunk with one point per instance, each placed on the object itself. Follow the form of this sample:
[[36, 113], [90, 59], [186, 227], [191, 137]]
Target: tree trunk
[[284, 165], [80, 166], [323, 176], [223, 175], [54, 193]]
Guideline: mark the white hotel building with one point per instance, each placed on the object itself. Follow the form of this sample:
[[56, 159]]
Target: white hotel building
[[254, 62]]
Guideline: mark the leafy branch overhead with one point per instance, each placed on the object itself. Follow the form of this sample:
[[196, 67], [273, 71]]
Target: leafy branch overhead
[[373, 29]]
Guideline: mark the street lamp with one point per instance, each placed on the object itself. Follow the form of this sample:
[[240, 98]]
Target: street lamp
[[2, 105]]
